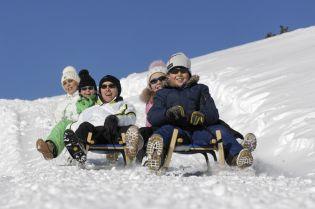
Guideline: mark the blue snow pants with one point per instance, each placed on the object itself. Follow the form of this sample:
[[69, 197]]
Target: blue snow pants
[[202, 137]]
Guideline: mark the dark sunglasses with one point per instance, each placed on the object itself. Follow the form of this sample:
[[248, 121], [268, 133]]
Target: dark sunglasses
[[178, 69], [87, 88], [155, 80], [111, 86]]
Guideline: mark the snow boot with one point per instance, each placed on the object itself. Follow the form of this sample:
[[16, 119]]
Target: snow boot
[[46, 148], [244, 158], [74, 146], [154, 152], [133, 142], [250, 142]]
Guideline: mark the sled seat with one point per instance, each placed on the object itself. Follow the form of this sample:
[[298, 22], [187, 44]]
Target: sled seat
[[216, 145], [120, 147]]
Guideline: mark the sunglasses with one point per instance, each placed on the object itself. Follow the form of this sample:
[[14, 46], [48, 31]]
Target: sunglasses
[[87, 88], [178, 69], [155, 80], [67, 81], [111, 86]]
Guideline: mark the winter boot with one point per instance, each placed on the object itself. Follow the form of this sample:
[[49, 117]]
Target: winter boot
[[46, 148], [133, 142], [154, 152], [250, 142], [244, 158], [74, 146]]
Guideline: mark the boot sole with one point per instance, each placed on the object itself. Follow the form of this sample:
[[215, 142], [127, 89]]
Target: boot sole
[[132, 142], [154, 153], [74, 147], [244, 158], [250, 142]]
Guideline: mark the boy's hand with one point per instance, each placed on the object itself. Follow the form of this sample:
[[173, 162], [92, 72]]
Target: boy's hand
[[197, 118], [174, 113]]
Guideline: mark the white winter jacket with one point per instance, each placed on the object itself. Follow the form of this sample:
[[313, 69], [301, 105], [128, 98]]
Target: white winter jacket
[[96, 115], [67, 109]]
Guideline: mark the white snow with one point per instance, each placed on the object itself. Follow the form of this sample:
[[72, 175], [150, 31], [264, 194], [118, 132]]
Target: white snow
[[264, 87]]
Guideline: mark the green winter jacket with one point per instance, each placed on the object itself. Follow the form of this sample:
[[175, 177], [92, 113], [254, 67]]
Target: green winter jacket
[[84, 103]]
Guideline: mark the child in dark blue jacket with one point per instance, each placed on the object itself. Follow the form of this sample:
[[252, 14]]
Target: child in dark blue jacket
[[188, 106]]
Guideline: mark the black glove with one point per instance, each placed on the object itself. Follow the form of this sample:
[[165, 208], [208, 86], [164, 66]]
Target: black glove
[[175, 113], [197, 118], [110, 128]]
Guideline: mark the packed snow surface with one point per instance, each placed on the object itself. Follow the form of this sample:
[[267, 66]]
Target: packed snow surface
[[264, 87]]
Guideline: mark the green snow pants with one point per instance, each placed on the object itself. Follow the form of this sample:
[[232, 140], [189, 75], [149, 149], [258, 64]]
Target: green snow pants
[[56, 136]]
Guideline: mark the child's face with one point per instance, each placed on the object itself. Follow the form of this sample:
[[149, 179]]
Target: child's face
[[156, 81], [177, 77], [87, 91], [70, 86]]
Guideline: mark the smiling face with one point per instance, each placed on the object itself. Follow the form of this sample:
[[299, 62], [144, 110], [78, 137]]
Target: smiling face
[[70, 86], [156, 81], [87, 91], [108, 91], [177, 77]]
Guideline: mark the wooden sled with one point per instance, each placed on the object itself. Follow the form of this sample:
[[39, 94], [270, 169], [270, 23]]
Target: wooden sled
[[109, 148], [216, 144]]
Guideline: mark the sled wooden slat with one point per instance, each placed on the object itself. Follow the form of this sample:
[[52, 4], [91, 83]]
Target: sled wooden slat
[[89, 140], [216, 145], [220, 147], [171, 149], [120, 147]]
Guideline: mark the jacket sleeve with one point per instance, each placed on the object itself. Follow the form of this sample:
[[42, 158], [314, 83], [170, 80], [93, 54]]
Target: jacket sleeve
[[126, 115], [75, 125], [207, 106], [156, 115], [84, 116]]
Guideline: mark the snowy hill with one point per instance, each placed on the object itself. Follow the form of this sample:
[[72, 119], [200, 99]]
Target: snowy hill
[[264, 87]]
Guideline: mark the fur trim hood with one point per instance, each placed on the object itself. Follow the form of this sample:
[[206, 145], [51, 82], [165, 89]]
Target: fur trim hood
[[145, 95]]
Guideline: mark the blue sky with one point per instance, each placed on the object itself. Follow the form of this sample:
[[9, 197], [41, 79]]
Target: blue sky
[[39, 38]]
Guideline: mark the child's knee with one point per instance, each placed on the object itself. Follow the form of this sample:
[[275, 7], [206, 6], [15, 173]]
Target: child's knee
[[165, 130], [86, 125]]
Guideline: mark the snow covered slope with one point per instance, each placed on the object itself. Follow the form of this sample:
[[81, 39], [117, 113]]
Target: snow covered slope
[[264, 87]]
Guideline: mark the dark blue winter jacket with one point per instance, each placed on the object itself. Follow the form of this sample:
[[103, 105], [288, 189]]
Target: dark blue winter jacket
[[192, 97]]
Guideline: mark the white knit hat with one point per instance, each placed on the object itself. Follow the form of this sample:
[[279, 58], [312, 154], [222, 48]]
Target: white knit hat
[[178, 60], [157, 66], [69, 72]]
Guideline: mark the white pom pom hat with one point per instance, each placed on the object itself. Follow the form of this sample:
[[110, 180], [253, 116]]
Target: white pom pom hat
[[69, 72]]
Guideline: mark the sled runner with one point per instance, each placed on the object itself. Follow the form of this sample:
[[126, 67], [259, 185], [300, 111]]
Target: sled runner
[[109, 148], [216, 144]]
